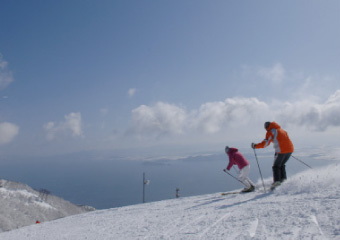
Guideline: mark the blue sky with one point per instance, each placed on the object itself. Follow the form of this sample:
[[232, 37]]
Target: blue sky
[[163, 77]]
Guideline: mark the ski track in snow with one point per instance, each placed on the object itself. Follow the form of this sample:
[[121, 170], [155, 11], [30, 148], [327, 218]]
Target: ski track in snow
[[253, 227], [296, 210]]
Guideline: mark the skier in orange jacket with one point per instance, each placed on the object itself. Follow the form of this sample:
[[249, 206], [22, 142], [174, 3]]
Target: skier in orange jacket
[[283, 150]]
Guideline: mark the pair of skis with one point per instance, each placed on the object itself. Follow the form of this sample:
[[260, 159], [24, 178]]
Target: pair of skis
[[271, 188]]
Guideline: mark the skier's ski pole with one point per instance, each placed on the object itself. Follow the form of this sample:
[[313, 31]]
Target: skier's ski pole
[[259, 170], [233, 176], [302, 162]]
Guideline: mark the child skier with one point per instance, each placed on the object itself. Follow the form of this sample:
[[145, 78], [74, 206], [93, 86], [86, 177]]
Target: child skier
[[236, 158]]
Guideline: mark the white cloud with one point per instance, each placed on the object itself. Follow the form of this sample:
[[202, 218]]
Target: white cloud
[[313, 115], [72, 125], [275, 74], [73, 122], [215, 116], [6, 76], [168, 119], [164, 119], [104, 111], [160, 119], [8, 131], [132, 92]]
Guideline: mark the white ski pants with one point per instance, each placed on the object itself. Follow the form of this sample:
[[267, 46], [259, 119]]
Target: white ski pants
[[243, 176]]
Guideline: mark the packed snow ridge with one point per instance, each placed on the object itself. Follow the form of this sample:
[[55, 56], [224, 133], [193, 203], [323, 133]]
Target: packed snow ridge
[[23, 206], [306, 206]]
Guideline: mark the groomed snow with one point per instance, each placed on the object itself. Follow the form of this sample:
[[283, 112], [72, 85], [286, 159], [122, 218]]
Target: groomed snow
[[306, 206]]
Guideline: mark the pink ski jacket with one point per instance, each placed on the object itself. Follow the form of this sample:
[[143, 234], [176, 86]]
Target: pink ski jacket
[[235, 157]]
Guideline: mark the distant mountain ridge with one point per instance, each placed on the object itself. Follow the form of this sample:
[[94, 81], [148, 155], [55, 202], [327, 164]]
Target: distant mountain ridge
[[20, 206]]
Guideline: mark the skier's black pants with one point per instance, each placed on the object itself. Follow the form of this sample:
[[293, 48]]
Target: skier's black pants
[[279, 167]]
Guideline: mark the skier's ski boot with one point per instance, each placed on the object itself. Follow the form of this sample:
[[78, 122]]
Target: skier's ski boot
[[250, 189], [274, 185]]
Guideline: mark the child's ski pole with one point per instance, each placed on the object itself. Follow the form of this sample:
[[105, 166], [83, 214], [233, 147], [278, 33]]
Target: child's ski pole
[[233, 176]]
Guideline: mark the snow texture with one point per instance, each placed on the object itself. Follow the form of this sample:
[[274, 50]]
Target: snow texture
[[306, 206], [23, 206]]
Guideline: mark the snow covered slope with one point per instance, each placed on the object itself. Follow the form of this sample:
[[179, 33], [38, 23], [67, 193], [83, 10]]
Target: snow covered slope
[[306, 206], [20, 206]]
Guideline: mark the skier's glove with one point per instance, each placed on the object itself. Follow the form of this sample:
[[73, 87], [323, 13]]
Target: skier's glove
[[253, 145]]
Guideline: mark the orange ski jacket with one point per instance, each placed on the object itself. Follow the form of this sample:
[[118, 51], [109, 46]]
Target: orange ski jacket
[[279, 137]]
